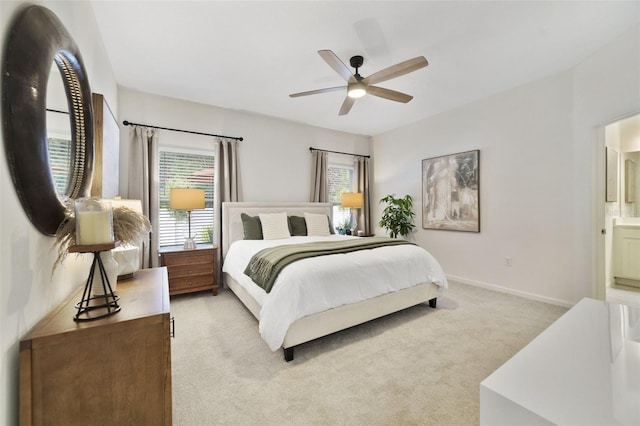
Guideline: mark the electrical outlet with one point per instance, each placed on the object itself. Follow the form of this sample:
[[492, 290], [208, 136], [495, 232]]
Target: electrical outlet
[[508, 261]]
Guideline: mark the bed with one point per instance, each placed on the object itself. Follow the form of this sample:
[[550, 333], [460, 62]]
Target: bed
[[293, 313]]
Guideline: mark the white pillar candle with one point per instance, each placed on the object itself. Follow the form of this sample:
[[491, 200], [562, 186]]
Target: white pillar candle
[[94, 222], [94, 227]]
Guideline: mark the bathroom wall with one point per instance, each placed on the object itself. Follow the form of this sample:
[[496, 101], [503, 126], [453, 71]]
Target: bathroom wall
[[623, 136]]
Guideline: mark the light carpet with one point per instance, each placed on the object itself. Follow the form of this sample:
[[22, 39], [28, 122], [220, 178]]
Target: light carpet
[[421, 366]]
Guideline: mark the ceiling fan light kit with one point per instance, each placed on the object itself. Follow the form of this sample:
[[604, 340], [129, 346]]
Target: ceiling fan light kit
[[357, 90], [357, 86]]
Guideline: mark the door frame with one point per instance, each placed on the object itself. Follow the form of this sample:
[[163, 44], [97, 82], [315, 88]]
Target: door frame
[[599, 280], [598, 206]]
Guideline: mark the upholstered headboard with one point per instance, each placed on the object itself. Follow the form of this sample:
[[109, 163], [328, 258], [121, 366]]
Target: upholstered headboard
[[232, 222]]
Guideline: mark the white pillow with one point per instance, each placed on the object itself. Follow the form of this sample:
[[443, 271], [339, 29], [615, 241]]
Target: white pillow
[[274, 226], [317, 225]]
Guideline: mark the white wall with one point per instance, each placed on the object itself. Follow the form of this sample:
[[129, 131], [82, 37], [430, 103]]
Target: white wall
[[27, 289], [274, 156], [537, 162]]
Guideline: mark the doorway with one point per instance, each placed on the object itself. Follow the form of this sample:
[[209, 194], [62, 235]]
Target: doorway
[[618, 168]]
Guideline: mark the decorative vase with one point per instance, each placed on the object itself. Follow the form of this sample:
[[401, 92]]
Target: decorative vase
[[128, 258], [111, 269]]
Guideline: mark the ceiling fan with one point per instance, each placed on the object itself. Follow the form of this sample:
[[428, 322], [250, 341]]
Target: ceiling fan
[[358, 86]]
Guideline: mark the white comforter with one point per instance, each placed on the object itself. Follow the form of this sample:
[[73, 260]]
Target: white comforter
[[314, 285]]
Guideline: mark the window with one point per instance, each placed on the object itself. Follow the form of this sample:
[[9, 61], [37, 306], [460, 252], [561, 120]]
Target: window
[[185, 169], [60, 161], [340, 180]]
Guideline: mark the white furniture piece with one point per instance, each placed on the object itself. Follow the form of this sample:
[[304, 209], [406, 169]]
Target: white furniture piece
[[583, 370], [626, 251], [323, 323]]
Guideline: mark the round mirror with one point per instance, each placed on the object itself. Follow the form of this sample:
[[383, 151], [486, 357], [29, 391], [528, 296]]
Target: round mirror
[[36, 40], [58, 132]]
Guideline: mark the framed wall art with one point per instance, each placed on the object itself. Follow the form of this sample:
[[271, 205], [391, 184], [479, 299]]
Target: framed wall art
[[612, 175], [451, 192], [106, 176], [630, 181]]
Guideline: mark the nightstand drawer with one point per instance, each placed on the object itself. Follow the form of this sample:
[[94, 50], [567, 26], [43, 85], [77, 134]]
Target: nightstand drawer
[[183, 283], [190, 271], [188, 258]]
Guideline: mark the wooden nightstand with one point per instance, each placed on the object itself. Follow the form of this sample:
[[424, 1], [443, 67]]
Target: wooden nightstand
[[191, 270]]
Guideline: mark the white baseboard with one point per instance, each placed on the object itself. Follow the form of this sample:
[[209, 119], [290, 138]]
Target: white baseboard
[[524, 294]]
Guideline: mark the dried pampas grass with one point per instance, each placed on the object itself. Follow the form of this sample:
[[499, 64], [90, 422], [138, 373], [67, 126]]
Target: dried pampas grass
[[129, 227]]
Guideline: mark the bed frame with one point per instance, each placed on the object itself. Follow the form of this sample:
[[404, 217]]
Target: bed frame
[[323, 323]]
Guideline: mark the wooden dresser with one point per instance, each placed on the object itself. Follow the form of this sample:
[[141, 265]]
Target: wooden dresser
[[191, 270], [112, 371]]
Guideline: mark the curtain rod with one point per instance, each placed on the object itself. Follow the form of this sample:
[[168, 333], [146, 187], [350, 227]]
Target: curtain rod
[[128, 123], [58, 111], [338, 152]]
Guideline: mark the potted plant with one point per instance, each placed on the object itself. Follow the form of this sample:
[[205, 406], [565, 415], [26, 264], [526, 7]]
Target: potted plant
[[346, 227], [397, 216]]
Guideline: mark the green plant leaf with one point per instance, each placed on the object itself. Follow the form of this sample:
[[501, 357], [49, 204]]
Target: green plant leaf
[[397, 216]]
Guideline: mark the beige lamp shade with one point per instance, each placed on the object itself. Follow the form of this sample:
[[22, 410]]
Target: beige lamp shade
[[186, 199], [352, 200]]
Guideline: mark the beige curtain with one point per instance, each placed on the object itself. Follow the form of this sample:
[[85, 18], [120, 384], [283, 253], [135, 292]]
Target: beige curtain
[[227, 184], [319, 186], [143, 184], [361, 184]]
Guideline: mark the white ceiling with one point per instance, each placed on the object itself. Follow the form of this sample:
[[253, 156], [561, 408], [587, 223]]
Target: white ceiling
[[250, 56]]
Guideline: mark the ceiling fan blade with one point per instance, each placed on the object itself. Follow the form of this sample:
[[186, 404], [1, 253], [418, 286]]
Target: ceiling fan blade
[[397, 70], [346, 105], [315, 92], [335, 63], [392, 95]]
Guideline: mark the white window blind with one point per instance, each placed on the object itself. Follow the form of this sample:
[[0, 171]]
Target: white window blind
[[181, 169], [60, 162], [340, 180]]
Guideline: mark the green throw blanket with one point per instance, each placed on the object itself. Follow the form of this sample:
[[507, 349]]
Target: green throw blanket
[[265, 265]]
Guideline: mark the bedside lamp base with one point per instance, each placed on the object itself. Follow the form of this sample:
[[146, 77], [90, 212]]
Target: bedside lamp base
[[189, 244]]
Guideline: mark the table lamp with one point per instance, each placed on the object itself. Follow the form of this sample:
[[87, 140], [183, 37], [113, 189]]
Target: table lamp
[[187, 199], [352, 200]]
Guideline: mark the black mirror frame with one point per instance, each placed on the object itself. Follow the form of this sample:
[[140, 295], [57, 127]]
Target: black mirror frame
[[35, 40]]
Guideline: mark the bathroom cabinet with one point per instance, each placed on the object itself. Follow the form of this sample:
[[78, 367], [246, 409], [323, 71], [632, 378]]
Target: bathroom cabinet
[[626, 252]]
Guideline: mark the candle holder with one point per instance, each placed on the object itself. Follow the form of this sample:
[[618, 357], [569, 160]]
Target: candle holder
[[94, 221], [100, 305]]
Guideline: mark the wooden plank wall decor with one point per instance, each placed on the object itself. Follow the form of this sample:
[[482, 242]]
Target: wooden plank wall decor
[[106, 168]]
